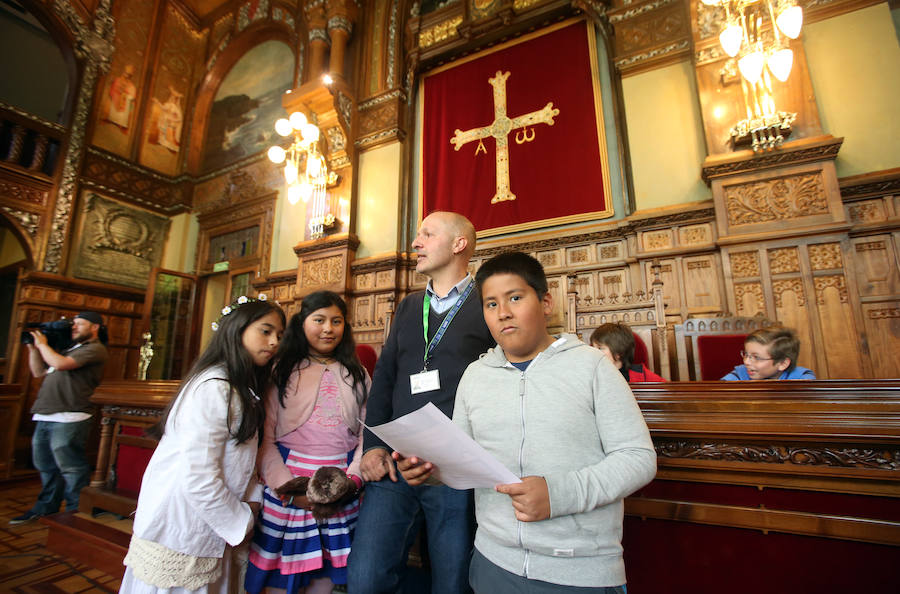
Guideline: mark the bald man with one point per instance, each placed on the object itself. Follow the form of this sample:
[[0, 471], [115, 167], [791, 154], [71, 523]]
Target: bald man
[[410, 374]]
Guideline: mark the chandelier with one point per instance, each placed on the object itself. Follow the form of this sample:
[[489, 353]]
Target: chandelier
[[305, 171], [757, 33]]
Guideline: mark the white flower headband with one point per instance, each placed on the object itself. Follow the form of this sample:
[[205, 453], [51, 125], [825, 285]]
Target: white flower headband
[[230, 308]]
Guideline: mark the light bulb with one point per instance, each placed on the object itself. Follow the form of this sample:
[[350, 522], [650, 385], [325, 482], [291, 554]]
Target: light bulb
[[730, 38], [306, 191], [293, 194], [711, 2], [276, 154], [326, 79], [780, 63], [298, 120], [790, 20], [310, 133], [283, 127], [290, 173], [751, 66], [313, 167]]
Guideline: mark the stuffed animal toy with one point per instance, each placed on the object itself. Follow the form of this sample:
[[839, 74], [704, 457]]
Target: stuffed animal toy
[[294, 487], [329, 490]]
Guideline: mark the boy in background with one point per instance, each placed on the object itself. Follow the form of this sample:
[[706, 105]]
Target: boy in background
[[770, 353], [558, 414], [616, 341]]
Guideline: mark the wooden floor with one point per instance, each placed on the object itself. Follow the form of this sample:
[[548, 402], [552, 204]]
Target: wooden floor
[[26, 566]]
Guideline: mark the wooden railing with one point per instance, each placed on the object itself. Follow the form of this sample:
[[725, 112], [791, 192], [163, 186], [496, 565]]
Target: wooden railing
[[28, 143]]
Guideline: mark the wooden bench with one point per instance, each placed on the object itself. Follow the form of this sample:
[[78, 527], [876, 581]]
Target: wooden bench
[[782, 486]]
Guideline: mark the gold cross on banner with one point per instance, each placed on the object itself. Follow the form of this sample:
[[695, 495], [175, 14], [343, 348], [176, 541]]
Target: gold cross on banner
[[500, 129]]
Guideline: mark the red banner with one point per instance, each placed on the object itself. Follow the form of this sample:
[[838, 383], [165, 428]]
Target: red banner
[[513, 138]]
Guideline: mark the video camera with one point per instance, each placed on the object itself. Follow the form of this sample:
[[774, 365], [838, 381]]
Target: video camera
[[58, 333]]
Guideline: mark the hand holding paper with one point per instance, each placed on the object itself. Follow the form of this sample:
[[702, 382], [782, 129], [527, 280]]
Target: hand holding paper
[[458, 460]]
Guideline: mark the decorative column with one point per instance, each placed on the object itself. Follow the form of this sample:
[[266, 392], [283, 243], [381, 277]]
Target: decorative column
[[317, 22], [341, 16]]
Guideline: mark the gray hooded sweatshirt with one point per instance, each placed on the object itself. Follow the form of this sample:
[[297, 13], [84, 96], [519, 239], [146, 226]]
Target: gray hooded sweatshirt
[[571, 418]]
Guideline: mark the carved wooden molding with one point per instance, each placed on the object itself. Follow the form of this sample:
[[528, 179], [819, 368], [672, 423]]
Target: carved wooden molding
[[649, 34], [881, 183], [790, 154], [381, 119], [117, 177], [836, 455], [777, 199]]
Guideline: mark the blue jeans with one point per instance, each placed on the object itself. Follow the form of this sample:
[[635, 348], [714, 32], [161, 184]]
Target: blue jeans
[[389, 519], [57, 450]]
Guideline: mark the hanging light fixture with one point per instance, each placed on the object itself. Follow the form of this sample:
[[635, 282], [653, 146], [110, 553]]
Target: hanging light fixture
[[752, 33], [305, 170]]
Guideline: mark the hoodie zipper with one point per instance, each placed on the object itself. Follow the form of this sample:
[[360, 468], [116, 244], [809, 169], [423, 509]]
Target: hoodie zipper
[[521, 462], [522, 448]]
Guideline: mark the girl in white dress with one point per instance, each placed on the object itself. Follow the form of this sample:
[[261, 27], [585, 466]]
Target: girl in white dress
[[194, 508]]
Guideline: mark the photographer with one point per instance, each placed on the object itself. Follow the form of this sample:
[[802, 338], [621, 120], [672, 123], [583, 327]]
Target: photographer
[[63, 413]]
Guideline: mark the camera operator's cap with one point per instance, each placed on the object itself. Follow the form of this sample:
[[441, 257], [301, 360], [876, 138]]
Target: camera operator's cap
[[91, 316]]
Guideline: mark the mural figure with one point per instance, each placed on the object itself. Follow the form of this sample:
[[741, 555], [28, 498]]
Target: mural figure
[[122, 93], [166, 121]]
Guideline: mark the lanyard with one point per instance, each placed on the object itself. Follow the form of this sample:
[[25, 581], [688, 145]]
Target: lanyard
[[426, 309]]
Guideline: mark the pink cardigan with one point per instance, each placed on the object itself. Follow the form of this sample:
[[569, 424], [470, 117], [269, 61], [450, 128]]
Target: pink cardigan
[[299, 402]]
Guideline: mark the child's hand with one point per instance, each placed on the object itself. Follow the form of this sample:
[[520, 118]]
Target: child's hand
[[530, 498], [415, 471]]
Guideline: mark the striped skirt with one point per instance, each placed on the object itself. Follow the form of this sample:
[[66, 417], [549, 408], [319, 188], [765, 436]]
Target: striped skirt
[[290, 547]]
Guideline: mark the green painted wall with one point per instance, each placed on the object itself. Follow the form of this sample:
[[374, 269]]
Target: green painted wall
[[378, 200], [854, 64], [665, 136], [180, 251]]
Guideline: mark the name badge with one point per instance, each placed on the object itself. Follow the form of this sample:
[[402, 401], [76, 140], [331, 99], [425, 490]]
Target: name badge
[[426, 381]]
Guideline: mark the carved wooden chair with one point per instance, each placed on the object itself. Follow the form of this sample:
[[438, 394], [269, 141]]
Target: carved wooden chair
[[708, 348], [643, 313]]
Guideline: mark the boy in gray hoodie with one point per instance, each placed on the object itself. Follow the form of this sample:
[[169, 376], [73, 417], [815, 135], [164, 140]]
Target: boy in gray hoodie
[[559, 415]]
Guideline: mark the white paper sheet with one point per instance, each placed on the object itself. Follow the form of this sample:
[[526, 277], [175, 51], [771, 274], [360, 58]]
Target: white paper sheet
[[429, 435]]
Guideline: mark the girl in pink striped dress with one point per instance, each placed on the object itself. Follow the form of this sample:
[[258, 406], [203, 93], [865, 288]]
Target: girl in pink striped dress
[[314, 416]]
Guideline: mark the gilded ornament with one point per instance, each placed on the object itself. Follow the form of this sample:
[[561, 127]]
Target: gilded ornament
[[96, 47], [500, 129], [440, 32]]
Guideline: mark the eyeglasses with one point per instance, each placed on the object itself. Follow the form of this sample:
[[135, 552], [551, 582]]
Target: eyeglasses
[[754, 358]]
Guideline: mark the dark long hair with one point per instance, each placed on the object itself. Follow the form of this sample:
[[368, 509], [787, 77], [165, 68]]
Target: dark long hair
[[295, 348], [245, 378]]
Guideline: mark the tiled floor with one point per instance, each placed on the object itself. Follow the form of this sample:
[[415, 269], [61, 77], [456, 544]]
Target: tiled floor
[[26, 566]]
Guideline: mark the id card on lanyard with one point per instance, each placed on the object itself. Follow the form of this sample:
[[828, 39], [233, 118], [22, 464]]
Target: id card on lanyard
[[429, 380]]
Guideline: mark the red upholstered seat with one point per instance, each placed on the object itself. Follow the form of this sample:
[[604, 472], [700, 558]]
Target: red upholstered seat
[[718, 354], [640, 351], [131, 461], [368, 357]]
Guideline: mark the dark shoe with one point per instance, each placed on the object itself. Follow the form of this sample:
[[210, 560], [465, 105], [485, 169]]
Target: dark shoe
[[28, 516]]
